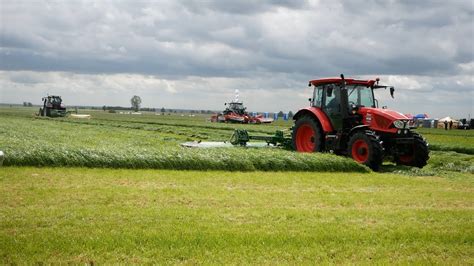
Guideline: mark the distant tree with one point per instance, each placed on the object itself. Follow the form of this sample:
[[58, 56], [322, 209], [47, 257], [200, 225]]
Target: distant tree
[[30, 104], [163, 110], [280, 114], [290, 114], [25, 104], [104, 108], [136, 101]]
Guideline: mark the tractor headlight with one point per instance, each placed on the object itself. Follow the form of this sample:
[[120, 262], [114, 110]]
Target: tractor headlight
[[399, 124]]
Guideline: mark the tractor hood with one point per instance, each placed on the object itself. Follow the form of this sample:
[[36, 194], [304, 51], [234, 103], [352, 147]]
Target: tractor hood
[[380, 119], [387, 113]]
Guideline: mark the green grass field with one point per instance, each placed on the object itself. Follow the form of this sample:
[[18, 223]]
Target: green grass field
[[244, 206], [76, 215]]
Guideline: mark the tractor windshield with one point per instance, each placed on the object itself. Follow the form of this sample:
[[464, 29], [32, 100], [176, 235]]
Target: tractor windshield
[[360, 95], [55, 100], [237, 107]]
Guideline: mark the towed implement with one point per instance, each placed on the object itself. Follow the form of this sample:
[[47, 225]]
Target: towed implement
[[344, 118]]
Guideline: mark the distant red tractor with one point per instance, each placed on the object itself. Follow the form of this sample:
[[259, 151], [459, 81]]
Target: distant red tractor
[[236, 113], [344, 118]]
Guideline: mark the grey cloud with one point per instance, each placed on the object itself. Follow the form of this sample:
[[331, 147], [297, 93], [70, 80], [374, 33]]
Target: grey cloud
[[243, 7], [163, 38]]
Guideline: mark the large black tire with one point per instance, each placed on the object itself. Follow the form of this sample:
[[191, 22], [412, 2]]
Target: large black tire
[[419, 155], [307, 135], [366, 148]]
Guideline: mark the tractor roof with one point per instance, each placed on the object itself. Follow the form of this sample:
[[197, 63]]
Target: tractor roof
[[318, 82]]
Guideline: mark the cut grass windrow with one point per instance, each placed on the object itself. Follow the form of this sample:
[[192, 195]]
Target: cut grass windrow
[[149, 143], [237, 159], [455, 148]]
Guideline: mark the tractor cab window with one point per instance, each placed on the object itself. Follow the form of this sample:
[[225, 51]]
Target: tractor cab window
[[333, 99], [55, 100], [360, 96], [332, 104], [318, 96], [237, 107]]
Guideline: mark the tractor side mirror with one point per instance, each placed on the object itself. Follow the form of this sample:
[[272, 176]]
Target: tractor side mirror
[[225, 103], [392, 90]]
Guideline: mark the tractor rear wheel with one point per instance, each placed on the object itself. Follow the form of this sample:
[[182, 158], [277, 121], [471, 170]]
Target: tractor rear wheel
[[418, 156], [307, 135], [366, 149]]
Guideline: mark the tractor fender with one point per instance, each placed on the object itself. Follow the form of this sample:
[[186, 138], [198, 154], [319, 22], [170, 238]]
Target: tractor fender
[[318, 115], [357, 128]]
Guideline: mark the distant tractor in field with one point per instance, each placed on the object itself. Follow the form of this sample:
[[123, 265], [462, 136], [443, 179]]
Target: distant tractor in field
[[52, 107], [344, 118], [236, 113]]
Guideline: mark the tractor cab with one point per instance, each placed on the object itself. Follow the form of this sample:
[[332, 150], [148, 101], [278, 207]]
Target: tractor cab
[[235, 107], [341, 101], [344, 118]]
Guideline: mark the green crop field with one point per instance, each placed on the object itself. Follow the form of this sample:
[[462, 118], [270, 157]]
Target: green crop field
[[118, 188]]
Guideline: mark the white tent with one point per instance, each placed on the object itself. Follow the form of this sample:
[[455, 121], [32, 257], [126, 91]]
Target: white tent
[[448, 119]]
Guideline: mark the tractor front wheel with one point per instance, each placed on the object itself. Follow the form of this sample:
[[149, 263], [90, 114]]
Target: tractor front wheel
[[418, 156], [307, 135], [366, 149]]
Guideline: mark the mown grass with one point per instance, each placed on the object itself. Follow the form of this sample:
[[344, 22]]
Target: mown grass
[[461, 141], [199, 128], [48, 142], [77, 215], [150, 141]]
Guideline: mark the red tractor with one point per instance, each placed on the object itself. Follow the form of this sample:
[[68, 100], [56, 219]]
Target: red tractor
[[236, 113], [344, 118]]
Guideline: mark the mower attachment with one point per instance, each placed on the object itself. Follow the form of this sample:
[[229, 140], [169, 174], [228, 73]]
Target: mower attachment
[[241, 137]]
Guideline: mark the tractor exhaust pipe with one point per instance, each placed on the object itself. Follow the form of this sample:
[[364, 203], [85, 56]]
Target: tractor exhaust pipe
[[344, 98]]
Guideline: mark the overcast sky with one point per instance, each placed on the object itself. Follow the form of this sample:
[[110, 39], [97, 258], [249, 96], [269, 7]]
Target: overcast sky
[[193, 55]]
